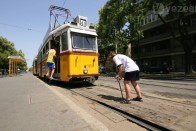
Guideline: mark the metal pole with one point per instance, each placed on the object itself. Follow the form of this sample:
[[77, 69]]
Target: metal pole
[[12, 68], [14, 63], [120, 89], [9, 66]]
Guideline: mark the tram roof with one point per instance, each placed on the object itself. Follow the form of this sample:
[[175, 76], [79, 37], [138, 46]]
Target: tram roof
[[71, 25], [16, 58], [76, 27]]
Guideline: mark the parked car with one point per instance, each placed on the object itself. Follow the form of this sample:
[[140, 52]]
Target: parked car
[[102, 70], [156, 69]]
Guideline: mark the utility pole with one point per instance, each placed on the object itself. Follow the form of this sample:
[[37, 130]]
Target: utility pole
[[138, 50], [116, 48]]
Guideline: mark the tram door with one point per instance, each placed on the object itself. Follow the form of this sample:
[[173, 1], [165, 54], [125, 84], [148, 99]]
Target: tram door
[[57, 59]]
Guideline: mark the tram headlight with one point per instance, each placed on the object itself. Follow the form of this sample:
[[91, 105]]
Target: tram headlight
[[85, 70]]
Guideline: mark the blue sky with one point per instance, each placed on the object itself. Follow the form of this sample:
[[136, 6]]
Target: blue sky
[[25, 22]]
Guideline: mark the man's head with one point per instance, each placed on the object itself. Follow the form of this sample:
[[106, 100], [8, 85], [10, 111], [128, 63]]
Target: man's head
[[53, 47], [112, 53]]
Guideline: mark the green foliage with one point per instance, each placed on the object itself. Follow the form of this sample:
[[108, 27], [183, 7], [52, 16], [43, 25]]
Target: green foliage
[[120, 19], [7, 49], [23, 65], [119, 23]]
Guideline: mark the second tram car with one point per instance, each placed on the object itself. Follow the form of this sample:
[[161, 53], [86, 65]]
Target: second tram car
[[35, 66], [76, 50]]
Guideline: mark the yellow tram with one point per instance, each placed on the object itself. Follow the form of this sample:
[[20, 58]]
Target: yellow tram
[[76, 50], [35, 66]]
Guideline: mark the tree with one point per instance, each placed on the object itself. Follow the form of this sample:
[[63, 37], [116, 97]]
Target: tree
[[119, 23], [179, 12], [7, 49], [23, 65]]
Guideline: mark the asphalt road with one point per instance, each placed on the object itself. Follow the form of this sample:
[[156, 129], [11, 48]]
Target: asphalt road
[[172, 88]]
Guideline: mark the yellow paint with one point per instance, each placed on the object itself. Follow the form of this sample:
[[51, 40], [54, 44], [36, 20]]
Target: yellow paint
[[64, 68], [74, 64], [42, 68]]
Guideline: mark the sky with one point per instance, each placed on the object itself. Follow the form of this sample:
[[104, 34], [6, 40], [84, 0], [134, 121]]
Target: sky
[[25, 22]]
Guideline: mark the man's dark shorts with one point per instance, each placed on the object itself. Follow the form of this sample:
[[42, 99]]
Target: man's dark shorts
[[134, 75], [50, 65]]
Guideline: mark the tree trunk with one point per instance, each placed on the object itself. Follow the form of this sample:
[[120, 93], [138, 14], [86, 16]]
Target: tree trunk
[[188, 62], [187, 43]]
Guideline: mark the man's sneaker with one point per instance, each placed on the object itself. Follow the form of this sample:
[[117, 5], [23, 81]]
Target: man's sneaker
[[137, 99], [51, 78], [125, 101]]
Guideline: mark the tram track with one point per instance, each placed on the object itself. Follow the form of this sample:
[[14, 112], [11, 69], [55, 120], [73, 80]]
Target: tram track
[[158, 116], [191, 105], [133, 118], [153, 114]]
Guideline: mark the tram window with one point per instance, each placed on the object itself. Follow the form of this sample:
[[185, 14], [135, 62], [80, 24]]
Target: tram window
[[83, 22], [83, 41], [44, 50], [47, 47], [64, 41]]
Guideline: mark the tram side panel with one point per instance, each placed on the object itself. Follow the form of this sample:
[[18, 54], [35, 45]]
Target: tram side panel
[[35, 67], [38, 69], [44, 68], [64, 67]]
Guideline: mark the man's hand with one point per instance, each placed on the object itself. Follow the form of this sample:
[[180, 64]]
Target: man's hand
[[118, 77]]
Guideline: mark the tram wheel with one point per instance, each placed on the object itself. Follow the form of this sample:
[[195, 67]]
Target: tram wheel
[[91, 80]]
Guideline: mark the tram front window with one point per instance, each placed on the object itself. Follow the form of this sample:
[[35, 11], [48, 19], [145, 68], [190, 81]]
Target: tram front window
[[83, 41]]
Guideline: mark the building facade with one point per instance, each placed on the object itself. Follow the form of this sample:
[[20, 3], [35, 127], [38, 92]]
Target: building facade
[[158, 48]]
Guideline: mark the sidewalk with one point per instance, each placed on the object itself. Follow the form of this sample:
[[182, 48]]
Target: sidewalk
[[28, 104]]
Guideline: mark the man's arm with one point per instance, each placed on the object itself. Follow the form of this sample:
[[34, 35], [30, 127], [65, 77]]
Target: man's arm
[[54, 55], [119, 72]]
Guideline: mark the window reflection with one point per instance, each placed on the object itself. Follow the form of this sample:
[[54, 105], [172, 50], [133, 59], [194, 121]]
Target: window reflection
[[83, 41]]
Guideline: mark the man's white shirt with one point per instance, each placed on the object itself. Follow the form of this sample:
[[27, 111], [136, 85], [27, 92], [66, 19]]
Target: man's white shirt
[[127, 62]]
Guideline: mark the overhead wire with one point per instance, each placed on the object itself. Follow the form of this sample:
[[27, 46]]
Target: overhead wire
[[30, 29], [20, 27], [64, 3], [69, 13]]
